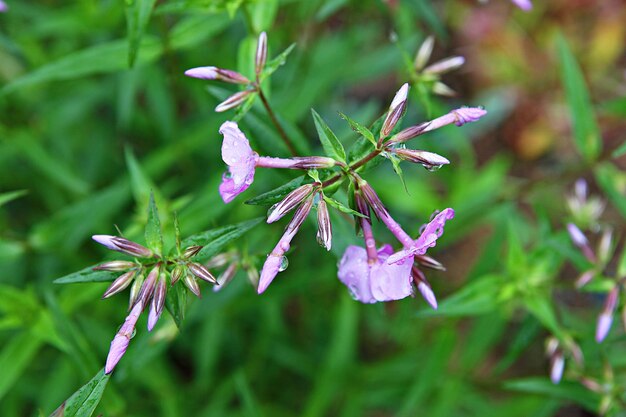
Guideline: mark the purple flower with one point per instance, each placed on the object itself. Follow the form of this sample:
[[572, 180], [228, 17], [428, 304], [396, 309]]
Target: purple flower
[[3, 7], [371, 282], [123, 245], [122, 338], [427, 239], [241, 161], [214, 73], [525, 5]]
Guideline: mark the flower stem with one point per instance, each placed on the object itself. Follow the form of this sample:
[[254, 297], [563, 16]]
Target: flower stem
[[352, 167], [276, 123]]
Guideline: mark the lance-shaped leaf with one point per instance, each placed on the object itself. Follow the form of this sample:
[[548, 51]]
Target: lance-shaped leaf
[[176, 303], [342, 208], [154, 237], [277, 194], [137, 17], [88, 274], [586, 133], [330, 143], [277, 62], [213, 240], [84, 401], [360, 129]]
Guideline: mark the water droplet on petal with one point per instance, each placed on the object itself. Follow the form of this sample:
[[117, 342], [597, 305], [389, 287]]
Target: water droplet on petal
[[271, 210], [134, 333], [432, 168], [432, 216], [227, 175], [422, 228], [354, 293], [284, 263]]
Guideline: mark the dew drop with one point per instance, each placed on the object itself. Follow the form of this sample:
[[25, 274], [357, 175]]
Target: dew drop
[[271, 210], [432, 168], [284, 263], [354, 293], [422, 229], [227, 175], [432, 216], [133, 333]]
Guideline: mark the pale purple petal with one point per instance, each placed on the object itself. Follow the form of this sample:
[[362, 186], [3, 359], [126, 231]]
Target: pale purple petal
[[271, 268], [205, 73], [556, 368], [122, 338], [428, 294], [3, 7], [525, 5], [105, 240], [391, 281], [354, 274], [578, 237], [241, 161], [468, 115], [605, 320]]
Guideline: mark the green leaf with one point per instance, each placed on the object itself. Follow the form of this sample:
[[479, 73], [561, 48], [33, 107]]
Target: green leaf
[[84, 401], [17, 353], [571, 391], [177, 234], [476, 298], [619, 151], [11, 195], [277, 194], [176, 303], [360, 129], [339, 206], [330, 143], [395, 163], [277, 62], [214, 239], [541, 307], [137, 17], [586, 133], [87, 275], [154, 236], [613, 183]]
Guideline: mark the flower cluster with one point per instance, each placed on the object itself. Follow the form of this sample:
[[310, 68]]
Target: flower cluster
[[148, 277], [371, 275], [430, 75]]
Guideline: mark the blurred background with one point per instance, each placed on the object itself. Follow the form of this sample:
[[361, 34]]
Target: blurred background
[[95, 112]]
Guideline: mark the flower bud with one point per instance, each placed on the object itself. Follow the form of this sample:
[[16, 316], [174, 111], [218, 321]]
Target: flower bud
[[606, 317], [468, 115], [324, 228], [372, 198], [605, 245], [408, 133], [557, 365], [428, 262], [253, 275], [445, 65], [214, 73], [177, 273], [123, 245], [120, 284], [423, 54], [292, 199], [261, 53], [220, 259], [192, 251], [442, 89], [201, 272], [233, 101], [158, 301], [134, 290], [396, 110], [314, 162], [190, 282], [115, 266], [147, 289], [584, 278], [427, 159], [225, 277]]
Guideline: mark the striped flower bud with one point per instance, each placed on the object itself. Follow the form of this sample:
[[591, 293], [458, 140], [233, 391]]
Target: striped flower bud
[[220, 74], [120, 284], [158, 301], [396, 110], [445, 65], [424, 286], [177, 273], [313, 162], [202, 272], [429, 160], [428, 262], [192, 251], [324, 228], [122, 339], [225, 277], [261, 53], [580, 240], [277, 211], [134, 290], [233, 101], [220, 260], [147, 289], [408, 133], [442, 89], [115, 266], [123, 245], [190, 282], [423, 54]]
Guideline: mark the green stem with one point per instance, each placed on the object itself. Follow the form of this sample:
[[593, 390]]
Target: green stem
[[276, 123]]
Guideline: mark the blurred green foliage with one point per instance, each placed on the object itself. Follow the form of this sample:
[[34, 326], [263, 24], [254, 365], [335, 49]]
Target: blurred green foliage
[[95, 114]]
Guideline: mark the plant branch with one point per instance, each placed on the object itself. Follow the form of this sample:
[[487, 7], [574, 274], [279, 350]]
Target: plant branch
[[276, 123]]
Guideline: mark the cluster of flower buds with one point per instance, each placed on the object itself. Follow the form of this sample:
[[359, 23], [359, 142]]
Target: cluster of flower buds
[[430, 75], [234, 77], [600, 257], [148, 278], [586, 210], [232, 261], [556, 351], [371, 275]]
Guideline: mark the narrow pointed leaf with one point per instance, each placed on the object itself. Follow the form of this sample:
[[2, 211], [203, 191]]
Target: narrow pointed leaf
[[154, 237], [176, 303], [84, 401], [11, 195], [342, 208], [277, 194], [332, 147], [137, 17], [87, 275], [360, 129], [277, 62]]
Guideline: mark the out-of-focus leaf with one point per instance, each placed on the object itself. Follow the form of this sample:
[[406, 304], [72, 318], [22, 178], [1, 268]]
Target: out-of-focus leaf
[[621, 150], [176, 303], [615, 107], [395, 163], [566, 390], [87, 275], [613, 183], [474, 298], [277, 194], [331, 144], [137, 17], [277, 62], [586, 133], [541, 307], [360, 129], [154, 236], [15, 356], [84, 401], [11, 195], [263, 14], [212, 246]]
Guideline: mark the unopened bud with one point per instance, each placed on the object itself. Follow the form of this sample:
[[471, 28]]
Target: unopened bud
[[557, 365], [301, 213], [120, 284], [424, 287], [261, 53], [429, 262], [396, 110], [253, 275], [468, 115], [158, 301], [581, 241], [605, 245], [292, 199], [134, 290], [580, 190], [123, 245], [192, 251], [324, 228], [592, 385], [214, 73], [445, 65], [442, 89], [606, 317], [190, 282], [177, 274], [115, 266], [408, 133], [372, 198], [224, 279], [423, 54], [233, 101], [552, 344], [220, 259], [427, 159], [202, 272], [584, 278], [314, 162], [147, 289]]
